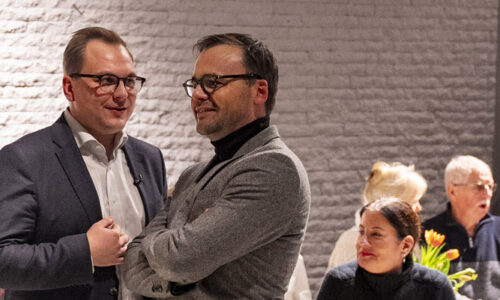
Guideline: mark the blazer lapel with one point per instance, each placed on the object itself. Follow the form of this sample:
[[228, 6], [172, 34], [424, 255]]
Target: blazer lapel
[[136, 164], [73, 165], [205, 179], [180, 208], [260, 139], [183, 205], [202, 178]]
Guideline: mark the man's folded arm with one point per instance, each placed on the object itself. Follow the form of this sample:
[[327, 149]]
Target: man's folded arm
[[137, 273], [255, 209]]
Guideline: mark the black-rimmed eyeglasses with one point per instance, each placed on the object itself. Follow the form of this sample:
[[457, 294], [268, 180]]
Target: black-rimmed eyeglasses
[[210, 82], [109, 82]]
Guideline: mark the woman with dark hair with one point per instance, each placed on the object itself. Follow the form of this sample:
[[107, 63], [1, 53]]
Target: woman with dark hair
[[386, 180], [384, 268]]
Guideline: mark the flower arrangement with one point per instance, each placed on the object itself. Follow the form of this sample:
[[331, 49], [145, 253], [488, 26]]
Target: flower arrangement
[[432, 258]]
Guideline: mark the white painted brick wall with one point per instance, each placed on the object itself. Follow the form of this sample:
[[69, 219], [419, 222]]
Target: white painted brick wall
[[361, 80]]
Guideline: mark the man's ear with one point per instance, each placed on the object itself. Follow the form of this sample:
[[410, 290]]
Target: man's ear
[[407, 244], [68, 88], [450, 191], [262, 91]]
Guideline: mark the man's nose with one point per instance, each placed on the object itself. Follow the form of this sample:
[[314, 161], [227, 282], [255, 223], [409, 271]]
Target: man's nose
[[199, 93], [120, 94]]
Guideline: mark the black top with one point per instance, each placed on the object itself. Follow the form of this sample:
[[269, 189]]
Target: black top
[[349, 281], [227, 146], [482, 246], [480, 252]]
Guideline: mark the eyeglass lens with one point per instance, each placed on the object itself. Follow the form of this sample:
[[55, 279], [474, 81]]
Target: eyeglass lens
[[481, 186], [208, 84], [108, 83]]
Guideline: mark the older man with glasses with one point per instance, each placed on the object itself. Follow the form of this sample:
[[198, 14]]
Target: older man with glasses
[[235, 224], [74, 193], [469, 227]]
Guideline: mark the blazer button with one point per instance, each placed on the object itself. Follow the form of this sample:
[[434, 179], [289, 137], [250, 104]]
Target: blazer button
[[113, 291], [157, 288]]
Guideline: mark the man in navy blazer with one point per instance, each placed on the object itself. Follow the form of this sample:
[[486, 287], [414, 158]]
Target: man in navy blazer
[[74, 193]]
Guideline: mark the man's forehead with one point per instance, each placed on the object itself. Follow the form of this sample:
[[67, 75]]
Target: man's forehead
[[480, 176], [220, 59], [486, 176], [101, 57]]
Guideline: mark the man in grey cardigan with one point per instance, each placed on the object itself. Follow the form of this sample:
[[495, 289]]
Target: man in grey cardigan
[[235, 224]]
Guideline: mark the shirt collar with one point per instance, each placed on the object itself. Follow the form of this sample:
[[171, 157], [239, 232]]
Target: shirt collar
[[83, 137]]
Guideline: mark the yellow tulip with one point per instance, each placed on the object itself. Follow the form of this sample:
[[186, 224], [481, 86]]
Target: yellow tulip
[[452, 254], [433, 238]]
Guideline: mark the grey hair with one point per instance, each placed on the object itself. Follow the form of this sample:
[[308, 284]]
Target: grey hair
[[460, 167]]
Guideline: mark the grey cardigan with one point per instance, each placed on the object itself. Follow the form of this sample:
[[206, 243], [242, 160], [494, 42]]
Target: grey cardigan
[[235, 231]]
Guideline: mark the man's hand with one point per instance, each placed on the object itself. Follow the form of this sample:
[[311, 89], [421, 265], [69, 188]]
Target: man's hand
[[107, 243]]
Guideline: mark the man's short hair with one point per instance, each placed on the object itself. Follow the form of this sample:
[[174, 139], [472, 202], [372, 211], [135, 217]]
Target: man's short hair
[[75, 50], [257, 58], [460, 167]]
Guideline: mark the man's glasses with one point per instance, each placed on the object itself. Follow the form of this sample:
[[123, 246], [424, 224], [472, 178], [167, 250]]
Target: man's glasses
[[479, 187], [210, 82], [109, 82]]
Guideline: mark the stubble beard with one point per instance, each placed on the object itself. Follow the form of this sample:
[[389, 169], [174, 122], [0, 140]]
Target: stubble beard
[[209, 129]]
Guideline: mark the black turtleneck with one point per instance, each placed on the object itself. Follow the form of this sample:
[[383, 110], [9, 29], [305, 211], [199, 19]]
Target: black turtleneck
[[386, 285], [227, 146], [415, 282]]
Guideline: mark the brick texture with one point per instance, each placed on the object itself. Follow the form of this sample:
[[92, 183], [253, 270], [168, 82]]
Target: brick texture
[[361, 80]]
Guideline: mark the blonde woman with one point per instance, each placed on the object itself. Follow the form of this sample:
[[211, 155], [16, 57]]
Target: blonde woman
[[386, 180]]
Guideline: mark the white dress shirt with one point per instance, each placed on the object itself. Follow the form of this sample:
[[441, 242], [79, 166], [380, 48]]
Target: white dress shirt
[[118, 196]]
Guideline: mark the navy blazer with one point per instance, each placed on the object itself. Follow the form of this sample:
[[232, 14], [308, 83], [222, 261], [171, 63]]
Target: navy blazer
[[47, 204]]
